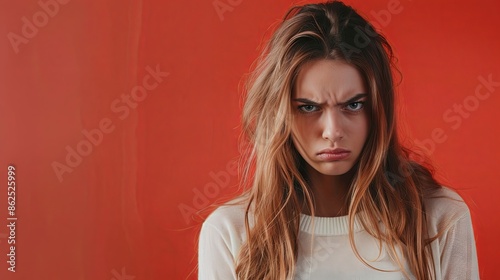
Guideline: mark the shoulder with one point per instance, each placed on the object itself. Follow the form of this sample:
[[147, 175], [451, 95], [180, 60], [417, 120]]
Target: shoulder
[[444, 208], [227, 224], [229, 215], [220, 240], [454, 249]]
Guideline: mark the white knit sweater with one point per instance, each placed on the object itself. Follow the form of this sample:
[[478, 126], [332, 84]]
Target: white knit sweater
[[330, 256]]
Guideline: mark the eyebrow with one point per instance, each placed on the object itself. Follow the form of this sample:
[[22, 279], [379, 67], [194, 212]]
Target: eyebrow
[[350, 100]]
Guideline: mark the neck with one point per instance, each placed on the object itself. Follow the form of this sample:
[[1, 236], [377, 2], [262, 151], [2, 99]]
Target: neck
[[329, 193]]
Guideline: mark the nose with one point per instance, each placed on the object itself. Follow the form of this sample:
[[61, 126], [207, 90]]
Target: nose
[[332, 126]]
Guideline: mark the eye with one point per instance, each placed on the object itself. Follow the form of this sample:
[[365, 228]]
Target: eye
[[355, 106], [308, 108]]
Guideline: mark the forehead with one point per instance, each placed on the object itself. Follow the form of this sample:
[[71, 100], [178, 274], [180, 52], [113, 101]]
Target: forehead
[[328, 79]]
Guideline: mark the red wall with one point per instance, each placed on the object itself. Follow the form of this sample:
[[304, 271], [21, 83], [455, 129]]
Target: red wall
[[105, 184]]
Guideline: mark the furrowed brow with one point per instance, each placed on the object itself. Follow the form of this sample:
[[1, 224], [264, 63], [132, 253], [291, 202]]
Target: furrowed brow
[[350, 100], [307, 101], [353, 99]]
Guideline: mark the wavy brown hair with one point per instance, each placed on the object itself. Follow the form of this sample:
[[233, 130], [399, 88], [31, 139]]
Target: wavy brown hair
[[389, 185]]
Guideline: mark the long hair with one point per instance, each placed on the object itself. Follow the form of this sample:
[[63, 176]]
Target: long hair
[[388, 186]]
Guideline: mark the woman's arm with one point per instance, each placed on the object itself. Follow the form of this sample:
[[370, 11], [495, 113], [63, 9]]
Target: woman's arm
[[458, 251], [215, 260]]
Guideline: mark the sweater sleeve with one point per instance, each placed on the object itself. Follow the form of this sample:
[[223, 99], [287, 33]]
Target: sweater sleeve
[[215, 260], [458, 251]]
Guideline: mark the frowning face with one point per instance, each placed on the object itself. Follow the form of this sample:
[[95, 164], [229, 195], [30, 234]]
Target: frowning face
[[330, 115]]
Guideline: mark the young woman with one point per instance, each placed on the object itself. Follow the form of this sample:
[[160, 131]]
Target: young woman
[[330, 192]]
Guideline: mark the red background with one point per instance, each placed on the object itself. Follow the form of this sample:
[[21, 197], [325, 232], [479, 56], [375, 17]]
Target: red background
[[117, 215]]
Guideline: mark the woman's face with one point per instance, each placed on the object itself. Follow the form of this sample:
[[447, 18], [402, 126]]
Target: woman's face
[[330, 111]]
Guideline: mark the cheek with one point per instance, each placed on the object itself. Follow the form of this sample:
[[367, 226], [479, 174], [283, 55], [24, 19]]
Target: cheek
[[364, 129], [301, 137], [356, 130], [303, 130], [304, 124]]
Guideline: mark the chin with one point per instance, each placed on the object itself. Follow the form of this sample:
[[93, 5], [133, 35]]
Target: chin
[[333, 169], [334, 173]]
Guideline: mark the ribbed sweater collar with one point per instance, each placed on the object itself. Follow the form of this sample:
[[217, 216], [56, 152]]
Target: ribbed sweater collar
[[327, 226]]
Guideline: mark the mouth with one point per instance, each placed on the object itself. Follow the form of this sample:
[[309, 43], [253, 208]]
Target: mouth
[[334, 154]]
